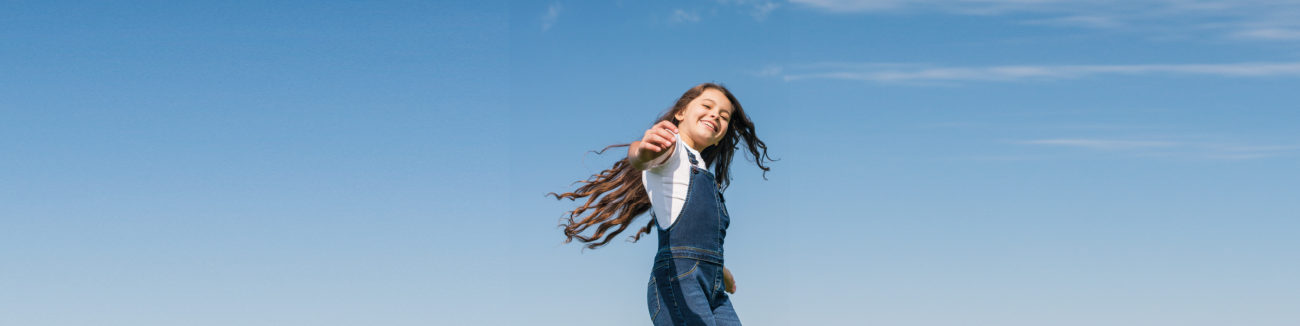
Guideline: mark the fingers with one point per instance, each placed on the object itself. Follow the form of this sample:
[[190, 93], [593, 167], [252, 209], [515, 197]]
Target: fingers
[[651, 144], [666, 136], [659, 137], [658, 140], [666, 125]]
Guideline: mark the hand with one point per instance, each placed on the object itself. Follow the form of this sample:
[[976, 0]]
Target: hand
[[657, 141], [728, 282]]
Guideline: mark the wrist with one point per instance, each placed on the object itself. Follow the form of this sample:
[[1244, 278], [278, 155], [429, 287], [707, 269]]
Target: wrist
[[634, 156]]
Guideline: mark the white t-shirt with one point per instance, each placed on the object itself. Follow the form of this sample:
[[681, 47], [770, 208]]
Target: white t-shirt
[[667, 180]]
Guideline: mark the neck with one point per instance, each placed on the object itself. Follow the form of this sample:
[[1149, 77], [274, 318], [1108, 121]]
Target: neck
[[691, 144]]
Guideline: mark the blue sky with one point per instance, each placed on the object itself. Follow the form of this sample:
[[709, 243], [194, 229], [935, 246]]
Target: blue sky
[[997, 162]]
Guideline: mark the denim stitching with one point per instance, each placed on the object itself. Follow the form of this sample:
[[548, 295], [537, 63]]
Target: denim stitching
[[688, 272], [718, 281], [658, 266], [707, 256], [655, 288], [718, 292], [672, 293], [694, 249]]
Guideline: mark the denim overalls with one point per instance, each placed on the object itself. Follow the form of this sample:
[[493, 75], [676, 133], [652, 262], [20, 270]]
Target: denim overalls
[[686, 281]]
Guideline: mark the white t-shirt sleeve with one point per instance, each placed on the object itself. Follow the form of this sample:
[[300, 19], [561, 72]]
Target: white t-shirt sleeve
[[661, 163], [657, 179], [667, 181]]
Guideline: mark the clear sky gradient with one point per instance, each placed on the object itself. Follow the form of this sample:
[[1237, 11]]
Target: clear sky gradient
[[994, 162]]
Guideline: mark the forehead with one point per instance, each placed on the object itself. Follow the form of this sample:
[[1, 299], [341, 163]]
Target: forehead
[[716, 97]]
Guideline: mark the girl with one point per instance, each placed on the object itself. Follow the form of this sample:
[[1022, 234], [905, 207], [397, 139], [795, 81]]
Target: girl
[[668, 171]]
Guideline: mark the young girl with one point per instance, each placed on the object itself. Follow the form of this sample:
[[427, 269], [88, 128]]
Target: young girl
[[668, 170]]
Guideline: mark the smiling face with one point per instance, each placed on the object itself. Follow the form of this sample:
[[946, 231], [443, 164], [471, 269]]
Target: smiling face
[[704, 121]]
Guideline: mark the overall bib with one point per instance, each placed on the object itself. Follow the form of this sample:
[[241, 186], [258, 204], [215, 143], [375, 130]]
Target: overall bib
[[686, 282]]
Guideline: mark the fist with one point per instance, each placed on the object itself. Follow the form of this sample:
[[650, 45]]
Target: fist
[[657, 140]]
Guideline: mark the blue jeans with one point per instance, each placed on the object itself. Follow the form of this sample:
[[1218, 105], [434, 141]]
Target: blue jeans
[[688, 292]]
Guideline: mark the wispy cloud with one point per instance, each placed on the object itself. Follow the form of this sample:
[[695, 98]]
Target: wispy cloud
[[1270, 34], [1100, 144], [759, 9], [551, 16], [681, 16], [1245, 19], [1222, 7], [1170, 148], [768, 71], [904, 73], [1079, 21]]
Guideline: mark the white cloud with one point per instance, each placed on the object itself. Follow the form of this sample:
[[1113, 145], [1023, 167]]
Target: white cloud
[[763, 9], [769, 71], [759, 9], [1103, 144], [896, 73], [1166, 148], [680, 16], [1270, 34], [1246, 19], [551, 16], [1079, 21], [852, 5], [1004, 6]]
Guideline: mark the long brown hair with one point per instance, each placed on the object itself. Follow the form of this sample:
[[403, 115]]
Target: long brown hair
[[616, 197]]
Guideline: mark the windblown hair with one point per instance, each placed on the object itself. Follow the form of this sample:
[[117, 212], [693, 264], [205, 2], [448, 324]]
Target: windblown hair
[[615, 197]]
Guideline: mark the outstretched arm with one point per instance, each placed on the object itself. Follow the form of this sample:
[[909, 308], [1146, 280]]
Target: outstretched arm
[[658, 141]]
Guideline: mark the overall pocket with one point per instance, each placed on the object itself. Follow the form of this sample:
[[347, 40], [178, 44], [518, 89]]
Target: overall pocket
[[695, 265]]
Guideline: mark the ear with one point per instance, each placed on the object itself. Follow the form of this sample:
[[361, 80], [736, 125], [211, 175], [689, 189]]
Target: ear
[[680, 115]]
